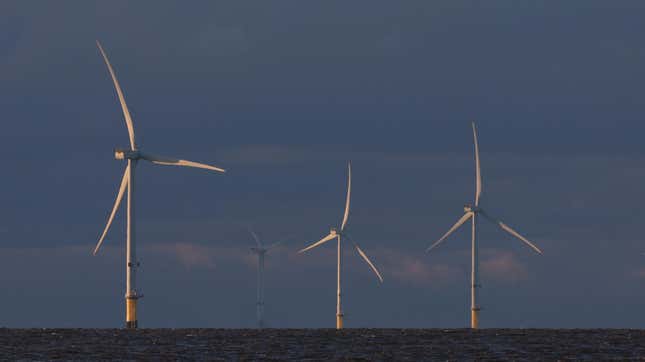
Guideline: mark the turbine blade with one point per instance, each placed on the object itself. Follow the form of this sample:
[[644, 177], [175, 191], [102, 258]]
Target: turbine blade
[[510, 231], [285, 240], [166, 161], [124, 106], [119, 197], [369, 262], [452, 229], [322, 241], [349, 193], [255, 236], [274, 245], [478, 175], [364, 256]]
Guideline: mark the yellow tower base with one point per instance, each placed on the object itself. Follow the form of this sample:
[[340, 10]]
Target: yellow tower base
[[474, 318], [339, 321], [130, 313]]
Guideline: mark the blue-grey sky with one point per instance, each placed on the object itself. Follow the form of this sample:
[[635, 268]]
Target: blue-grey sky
[[283, 94]]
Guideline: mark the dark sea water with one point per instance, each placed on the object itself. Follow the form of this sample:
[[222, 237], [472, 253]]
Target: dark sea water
[[321, 344]]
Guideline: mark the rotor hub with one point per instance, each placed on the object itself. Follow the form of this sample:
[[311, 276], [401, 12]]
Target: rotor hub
[[259, 250], [471, 208]]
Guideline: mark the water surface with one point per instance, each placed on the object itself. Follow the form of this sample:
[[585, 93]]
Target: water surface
[[321, 344]]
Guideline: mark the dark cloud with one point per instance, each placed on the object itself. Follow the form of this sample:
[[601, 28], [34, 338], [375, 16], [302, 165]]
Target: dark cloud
[[283, 94]]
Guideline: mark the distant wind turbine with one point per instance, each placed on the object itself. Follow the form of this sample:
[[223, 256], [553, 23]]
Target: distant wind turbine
[[471, 212], [133, 155], [260, 250], [335, 233]]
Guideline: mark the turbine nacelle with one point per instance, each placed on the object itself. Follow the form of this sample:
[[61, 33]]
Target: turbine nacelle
[[259, 250], [333, 231], [125, 154]]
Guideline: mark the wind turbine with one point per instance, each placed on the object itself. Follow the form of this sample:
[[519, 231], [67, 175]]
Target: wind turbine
[[133, 155], [471, 212], [261, 251], [337, 233]]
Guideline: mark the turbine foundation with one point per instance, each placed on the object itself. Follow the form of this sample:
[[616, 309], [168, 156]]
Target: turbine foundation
[[339, 321], [131, 313], [474, 318], [260, 315]]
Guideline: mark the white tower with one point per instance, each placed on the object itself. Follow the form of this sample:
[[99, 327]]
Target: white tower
[[472, 212], [133, 155]]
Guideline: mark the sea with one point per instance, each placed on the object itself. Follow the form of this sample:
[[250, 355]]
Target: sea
[[322, 344]]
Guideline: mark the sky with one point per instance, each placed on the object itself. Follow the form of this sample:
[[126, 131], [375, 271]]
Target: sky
[[283, 94]]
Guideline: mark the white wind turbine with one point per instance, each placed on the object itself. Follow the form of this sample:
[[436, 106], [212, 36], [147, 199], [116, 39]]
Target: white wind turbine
[[133, 155], [261, 251], [471, 212], [335, 233]]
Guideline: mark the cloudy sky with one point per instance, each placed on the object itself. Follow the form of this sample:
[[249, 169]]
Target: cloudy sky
[[283, 94]]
